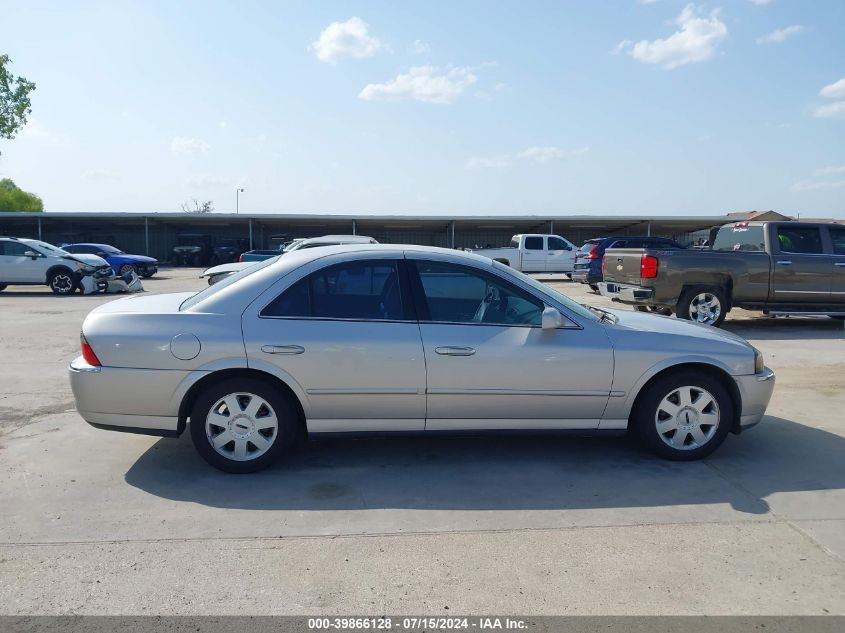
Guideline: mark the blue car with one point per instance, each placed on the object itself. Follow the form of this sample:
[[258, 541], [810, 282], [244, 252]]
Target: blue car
[[122, 263]]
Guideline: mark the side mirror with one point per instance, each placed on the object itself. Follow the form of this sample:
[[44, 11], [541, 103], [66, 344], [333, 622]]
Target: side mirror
[[552, 318], [31, 254]]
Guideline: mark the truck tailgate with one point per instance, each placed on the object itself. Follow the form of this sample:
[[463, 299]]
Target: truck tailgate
[[622, 265]]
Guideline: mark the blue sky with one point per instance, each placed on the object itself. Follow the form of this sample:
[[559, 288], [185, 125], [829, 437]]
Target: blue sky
[[630, 106]]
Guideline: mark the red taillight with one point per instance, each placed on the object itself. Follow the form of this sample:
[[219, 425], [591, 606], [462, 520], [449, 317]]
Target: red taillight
[[648, 267], [592, 254], [88, 353], [241, 258]]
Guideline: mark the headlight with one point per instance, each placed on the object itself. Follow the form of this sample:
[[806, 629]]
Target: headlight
[[759, 365], [86, 268]]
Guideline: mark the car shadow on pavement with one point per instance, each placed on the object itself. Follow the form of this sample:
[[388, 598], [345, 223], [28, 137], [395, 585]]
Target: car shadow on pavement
[[782, 329], [504, 473]]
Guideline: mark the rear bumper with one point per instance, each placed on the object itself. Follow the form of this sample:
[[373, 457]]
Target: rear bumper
[[626, 293], [585, 277], [129, 400], [755, 391]]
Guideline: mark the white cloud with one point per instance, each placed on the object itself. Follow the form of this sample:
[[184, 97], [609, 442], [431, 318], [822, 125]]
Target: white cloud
[[646, 1], [423, 83], [420, 48], [345, 39], [185, 146], [779, 35], [817, 185], [695, 41], [761, 3], [834, 90], [827, 171], [536, 154], [835, 110], [206, 180]]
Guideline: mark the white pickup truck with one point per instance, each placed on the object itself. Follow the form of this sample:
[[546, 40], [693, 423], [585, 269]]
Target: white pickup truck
[[535, 252]]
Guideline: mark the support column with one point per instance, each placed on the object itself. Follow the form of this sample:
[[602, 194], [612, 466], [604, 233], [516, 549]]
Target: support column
[[250, 234], [354, 227], [551, 226], [39, 228], [146, 236], [452, 226], [649, 228]]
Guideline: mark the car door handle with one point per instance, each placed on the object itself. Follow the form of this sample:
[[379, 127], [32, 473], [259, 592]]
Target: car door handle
[[282, 349], [785, 262], [454, 351]]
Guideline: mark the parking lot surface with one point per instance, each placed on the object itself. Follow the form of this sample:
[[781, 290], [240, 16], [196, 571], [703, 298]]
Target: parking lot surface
[[95, 522]]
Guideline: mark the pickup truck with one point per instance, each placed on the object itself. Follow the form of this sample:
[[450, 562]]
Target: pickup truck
[[777, 267], [535, 252]]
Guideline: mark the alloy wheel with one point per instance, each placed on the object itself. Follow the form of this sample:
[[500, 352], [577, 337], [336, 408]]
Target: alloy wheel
[[687, 418], [705, 308], [62, 283], [241, 426]]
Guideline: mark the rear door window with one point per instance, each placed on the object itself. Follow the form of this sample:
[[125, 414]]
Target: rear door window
[[800, 239], [837, 236], [740, 238]]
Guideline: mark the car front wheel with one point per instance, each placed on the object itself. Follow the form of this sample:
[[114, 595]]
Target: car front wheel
[[242, 425], [684, 416], [62, 282], [126, 269]]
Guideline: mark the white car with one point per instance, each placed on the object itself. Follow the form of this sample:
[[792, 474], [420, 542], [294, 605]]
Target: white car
[[218, 273], [535, 253], [25, 262]]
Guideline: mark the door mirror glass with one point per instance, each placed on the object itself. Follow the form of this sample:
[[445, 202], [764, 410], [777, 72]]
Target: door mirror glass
[[552, 318], [32, 254]]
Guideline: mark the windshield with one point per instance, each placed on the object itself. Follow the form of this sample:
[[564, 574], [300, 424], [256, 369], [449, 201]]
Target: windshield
[[545, 289], [292, 246], [44, 247], [110, 249], [587, 247], [225, 283]]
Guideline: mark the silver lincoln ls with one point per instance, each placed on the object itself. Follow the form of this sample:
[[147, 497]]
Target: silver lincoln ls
[[390, 338]]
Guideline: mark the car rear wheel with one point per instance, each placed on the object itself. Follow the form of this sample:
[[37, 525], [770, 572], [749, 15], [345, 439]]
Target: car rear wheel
[[704, 304], [242, 425], [684, 416], [126, 269], [62, 282], [3, 287]]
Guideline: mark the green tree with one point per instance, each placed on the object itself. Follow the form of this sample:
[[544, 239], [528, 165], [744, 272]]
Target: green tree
[[14, 100], [13, 198]]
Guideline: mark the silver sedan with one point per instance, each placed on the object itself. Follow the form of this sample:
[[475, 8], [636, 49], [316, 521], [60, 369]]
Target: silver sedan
[[387, 338]]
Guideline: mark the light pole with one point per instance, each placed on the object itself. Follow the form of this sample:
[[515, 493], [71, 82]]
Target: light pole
[[238, 193]]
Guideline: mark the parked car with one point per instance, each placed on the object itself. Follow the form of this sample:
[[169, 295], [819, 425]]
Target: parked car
[[218, 273], [777, 267], [387, 338], [534, 253], [120, 262], [310, 242], [589, 257], [193, 249], [25, 262]]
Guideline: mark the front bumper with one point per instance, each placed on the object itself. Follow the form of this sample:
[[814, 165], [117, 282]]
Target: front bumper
[[626, 293], [129, 400], [755, 392]]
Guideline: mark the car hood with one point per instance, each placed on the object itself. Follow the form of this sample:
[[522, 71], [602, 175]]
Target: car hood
[[234, 267], [147, 304], [91, 260], [646, 322]]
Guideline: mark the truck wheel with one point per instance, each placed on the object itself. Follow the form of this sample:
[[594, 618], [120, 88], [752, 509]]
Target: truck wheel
[[594, 287], [242, 425], [62, 282], [683, 416], [654, 309], [3, 287], [703, 304]]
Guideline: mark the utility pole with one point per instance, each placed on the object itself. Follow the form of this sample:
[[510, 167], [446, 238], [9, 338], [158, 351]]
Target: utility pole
[[238, 193]]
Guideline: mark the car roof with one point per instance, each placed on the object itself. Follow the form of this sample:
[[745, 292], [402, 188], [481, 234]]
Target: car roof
[[352, 239], [90, 244]]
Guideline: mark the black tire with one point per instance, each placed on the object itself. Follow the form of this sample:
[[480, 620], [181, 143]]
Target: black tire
[[147, 275], [594, 287], [281, 440], [62, 282], [3, 287], [654, 310], [646, 414], [695, 299], [126, 269]]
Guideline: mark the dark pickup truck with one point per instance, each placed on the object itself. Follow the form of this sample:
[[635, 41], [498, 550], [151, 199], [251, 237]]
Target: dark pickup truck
[[777, 267]]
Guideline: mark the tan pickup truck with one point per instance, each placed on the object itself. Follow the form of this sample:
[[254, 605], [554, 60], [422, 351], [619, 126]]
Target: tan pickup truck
[[777, 267]]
